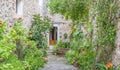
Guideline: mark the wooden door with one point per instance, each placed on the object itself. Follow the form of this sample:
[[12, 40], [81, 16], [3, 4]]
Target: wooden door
[[53, 36]]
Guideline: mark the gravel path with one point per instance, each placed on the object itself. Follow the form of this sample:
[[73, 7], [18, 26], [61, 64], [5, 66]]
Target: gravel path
[[57, 63]]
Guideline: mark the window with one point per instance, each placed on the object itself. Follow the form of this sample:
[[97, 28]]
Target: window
[[19, 7]]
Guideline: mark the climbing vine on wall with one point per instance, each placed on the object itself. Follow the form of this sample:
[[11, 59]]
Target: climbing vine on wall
[[107, 10]]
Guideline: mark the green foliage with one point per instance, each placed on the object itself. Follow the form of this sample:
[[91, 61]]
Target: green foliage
[[107, 28], [71, 56], [86, 59], [85, 54], [2, 27], [7, 47], [39, 29], [106, 13], [88, 51], [101, 66], [61, 44], [117, 67], [33, 56], [17, 52], [12, 63], [77, 10]]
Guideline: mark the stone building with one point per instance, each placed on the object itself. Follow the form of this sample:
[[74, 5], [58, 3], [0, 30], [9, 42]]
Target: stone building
[[12, 10], [61, 27]]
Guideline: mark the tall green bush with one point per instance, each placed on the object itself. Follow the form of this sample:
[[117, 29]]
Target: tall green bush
[[39, 30], [17, 52]]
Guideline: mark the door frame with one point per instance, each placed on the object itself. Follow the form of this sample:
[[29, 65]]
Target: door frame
[[58, 27], [53, 36]]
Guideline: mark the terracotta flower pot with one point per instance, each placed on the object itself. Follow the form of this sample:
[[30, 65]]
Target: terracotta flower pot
[[75, 64], [62, 51]]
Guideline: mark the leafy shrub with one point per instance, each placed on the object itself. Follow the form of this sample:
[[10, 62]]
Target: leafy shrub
[[17, 52], [39, 29], [9, 60], [12, 63], [101, 66], [71, 56], [33, 56], [27, 50], [61, 44]]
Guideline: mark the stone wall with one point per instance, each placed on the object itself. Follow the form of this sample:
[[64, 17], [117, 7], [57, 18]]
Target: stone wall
[[116, 54], [8, 10], [64, 29], [64, 25], [30, 7]]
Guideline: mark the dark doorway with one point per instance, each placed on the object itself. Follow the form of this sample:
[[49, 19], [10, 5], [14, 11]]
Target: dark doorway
[[53, 36]]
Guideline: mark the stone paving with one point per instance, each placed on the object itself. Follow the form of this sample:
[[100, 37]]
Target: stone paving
[[57, 63]]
